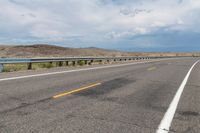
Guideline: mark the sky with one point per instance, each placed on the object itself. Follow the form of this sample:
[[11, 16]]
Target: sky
[[130, 25]]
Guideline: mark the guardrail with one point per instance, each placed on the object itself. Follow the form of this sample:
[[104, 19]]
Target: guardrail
[[74, 60]]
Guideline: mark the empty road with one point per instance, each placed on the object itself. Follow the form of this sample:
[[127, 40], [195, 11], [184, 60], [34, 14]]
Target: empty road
[[134, 97]]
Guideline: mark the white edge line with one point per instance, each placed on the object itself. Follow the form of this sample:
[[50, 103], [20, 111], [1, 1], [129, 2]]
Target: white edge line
[[165, 124], [84, 69]]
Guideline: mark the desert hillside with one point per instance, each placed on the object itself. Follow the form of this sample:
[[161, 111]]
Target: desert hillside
[[43, 50]]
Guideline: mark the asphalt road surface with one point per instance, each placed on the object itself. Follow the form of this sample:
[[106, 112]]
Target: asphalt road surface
[[141, 97]]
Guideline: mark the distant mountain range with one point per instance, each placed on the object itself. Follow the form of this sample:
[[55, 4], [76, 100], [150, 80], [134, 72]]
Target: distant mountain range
[[44, 50]]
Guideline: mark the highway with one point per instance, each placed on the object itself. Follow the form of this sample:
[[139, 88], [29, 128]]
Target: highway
[[156, 96]]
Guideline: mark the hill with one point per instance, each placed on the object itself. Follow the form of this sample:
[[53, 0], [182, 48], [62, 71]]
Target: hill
[[44, 50]]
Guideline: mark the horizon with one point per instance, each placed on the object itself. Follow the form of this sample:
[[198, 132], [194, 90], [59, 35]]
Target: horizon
[[125, 25], [120, 50]]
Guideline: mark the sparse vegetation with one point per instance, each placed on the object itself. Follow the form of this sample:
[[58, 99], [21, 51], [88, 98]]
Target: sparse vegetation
[[35, 66], [20, 67], [14, 67], [43, 65], [81, 63]]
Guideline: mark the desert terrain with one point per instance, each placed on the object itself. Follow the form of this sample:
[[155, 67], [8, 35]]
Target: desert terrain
[[44, 50]]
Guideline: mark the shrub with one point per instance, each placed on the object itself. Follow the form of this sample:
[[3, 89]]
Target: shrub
[[81, 63]]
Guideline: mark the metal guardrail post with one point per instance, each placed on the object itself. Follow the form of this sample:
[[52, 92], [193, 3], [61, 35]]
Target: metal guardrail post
[[1, 67], [60, 63], [29, 66], [67, 63], [86, 62], [91, 62], [73, 63], [101, 61]]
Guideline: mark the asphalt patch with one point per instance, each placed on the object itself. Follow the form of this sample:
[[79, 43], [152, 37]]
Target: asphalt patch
[[105, 88]]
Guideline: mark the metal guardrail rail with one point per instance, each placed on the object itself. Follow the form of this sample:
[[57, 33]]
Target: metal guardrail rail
[[74, 60]]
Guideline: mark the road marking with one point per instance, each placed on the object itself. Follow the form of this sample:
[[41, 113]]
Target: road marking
[[77, 90], [169, 115], [151, 68], [77, 70]]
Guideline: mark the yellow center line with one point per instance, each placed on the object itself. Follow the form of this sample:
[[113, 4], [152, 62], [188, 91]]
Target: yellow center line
[[77, 90]]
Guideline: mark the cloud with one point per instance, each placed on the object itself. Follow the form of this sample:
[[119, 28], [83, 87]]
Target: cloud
[[95, 21]]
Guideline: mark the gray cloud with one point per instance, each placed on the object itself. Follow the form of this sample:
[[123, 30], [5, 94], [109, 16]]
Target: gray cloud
[[91, 21]]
